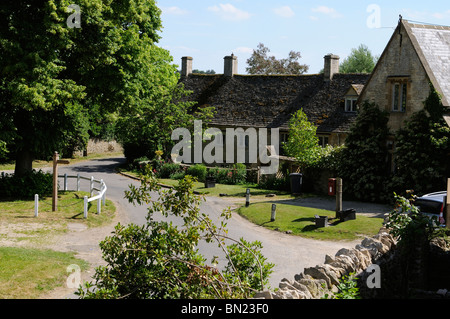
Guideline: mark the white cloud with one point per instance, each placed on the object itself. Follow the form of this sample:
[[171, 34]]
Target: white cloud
[[244, 50], [424, 16], [331, 12], [229, 12], [285, 12], [174, 10]]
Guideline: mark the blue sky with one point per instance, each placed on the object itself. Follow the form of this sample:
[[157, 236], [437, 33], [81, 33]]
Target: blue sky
[[208, 30]]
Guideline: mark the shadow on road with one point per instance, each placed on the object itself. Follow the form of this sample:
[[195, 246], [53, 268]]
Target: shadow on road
[[105, 165]]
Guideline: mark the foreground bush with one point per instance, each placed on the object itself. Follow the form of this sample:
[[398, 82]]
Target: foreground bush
[[159, 260]]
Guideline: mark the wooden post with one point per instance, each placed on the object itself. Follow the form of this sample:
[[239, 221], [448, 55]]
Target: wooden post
[[57, 161], [55, 182], [447, 214], [338, 196]]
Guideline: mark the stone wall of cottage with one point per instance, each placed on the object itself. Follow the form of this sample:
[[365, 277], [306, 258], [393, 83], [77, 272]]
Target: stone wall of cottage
[[399, 62]]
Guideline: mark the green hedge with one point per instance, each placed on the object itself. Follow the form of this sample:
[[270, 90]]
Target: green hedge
[[26, 186]]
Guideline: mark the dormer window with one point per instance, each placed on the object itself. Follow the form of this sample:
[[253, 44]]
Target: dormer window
[[350, 104], [351, 97]]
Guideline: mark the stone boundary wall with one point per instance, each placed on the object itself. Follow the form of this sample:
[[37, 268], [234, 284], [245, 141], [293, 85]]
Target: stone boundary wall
[[316, 282], [97, 146]]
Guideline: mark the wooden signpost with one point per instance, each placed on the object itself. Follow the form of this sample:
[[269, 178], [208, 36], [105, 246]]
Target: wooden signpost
[[56, 161]]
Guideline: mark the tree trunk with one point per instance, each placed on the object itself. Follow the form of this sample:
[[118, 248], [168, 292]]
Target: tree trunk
[[24, 162]]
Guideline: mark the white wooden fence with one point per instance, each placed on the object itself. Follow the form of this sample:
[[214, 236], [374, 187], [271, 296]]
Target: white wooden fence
[[95, 185]]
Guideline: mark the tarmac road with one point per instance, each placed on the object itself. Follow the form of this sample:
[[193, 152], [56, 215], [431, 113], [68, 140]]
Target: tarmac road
[[290, 254]]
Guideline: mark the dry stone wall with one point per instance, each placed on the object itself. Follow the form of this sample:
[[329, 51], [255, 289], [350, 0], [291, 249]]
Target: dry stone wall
[[97, 146], [316, 282]]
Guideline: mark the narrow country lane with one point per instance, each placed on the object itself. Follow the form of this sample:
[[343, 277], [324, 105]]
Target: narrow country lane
[[290, 254]]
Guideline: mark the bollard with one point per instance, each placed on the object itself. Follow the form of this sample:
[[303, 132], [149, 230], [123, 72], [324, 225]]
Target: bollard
[[78, 182], [247, 200], [91, 186], [85, 206], [65, 182], [99, 204], [274, 212], [36, 205]]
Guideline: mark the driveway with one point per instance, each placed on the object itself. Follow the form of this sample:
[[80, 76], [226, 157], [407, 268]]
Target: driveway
[[289, 253]]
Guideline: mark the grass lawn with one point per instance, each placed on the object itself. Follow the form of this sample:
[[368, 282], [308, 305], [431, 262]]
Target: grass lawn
[[300, 220], [70, 209], [229, 190], [27, 273]]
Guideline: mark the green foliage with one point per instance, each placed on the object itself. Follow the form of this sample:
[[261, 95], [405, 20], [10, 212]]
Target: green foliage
[[159, 260], [260, 63], [168, 169], [26, 186], [198, 171], [107, 78], [250, 264], [422, 153], [363, 162], [303, 143], [236, 174], [274, 183], [360, 60], [408, 224], [348, 288]]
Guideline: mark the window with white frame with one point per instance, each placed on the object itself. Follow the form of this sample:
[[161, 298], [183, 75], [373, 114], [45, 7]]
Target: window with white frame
[[350, 104]]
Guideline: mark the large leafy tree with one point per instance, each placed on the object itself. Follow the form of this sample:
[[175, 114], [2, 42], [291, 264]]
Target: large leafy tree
[[57, 81], [261, 63]]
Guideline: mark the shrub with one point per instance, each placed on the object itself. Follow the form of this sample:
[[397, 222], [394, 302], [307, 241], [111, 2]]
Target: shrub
[[26, 186], [168, 169], [274, 183], [177, 175], [237, 174], [198, 170]]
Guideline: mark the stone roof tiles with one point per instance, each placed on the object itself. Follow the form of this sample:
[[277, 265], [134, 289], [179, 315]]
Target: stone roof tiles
[[432, 44], [270, 100]]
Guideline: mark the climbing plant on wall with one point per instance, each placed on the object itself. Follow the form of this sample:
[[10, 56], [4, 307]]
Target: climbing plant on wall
[[422, 152]]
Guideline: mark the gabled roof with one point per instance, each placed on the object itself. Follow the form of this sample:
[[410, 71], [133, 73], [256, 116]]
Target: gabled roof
[[270, 100], [432, 45]]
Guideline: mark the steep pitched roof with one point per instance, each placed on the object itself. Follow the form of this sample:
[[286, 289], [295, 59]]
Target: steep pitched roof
[[432, 44], [270, 100]]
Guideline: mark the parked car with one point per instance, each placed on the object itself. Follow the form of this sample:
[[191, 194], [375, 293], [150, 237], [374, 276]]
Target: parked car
[[433, 204]]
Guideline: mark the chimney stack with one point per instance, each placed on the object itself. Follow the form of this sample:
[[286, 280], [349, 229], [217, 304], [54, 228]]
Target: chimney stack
[[230, 65], [331, 66], [186, 66]]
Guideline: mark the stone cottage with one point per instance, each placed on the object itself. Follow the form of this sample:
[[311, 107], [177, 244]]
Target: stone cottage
[[269, 101], [416, 55]]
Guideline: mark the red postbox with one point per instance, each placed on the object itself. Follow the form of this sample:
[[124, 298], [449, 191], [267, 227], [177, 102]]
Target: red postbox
[[332, 186]]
